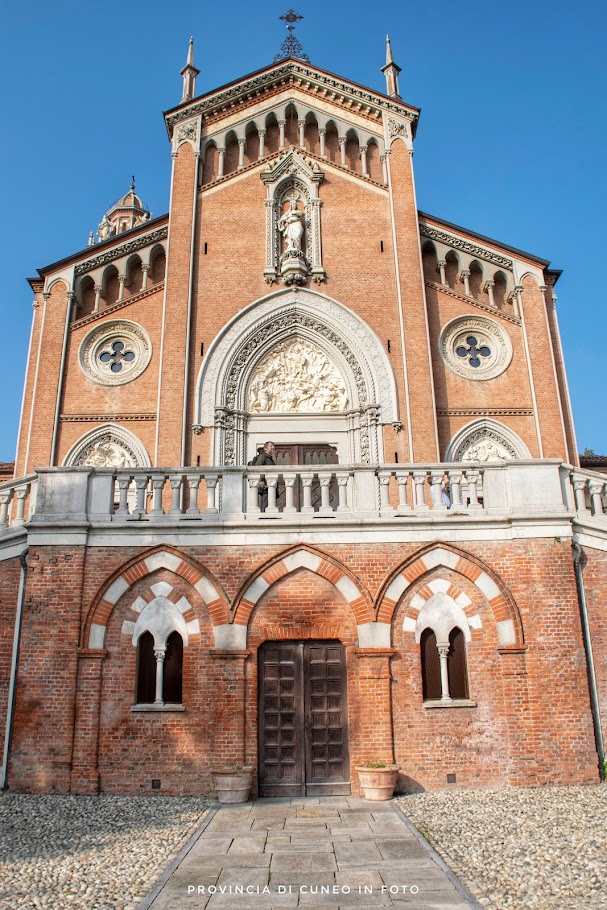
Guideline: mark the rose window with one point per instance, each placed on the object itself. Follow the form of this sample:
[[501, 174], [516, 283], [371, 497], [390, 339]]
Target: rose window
[[115, 352], [117, 356], [475, 347], [472, 351]]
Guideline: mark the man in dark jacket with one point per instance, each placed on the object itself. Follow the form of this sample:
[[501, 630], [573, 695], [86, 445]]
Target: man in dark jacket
[[264, 457]]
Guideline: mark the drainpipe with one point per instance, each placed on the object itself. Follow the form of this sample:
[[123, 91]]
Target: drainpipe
[[578, 555], [10, 708]]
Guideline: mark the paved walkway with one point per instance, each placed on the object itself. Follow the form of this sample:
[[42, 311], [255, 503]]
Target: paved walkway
[[334, 852]]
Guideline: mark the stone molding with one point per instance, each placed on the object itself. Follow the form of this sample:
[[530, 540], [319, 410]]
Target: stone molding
[[290, 74], [445, 289], [109, 434], [104, 334], [125, 249], [466, 246], [486, 431]]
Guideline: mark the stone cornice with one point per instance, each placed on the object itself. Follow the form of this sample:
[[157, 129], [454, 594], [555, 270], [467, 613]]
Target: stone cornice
[[484, 412], [466, 246], [78, 323], [124, 249], [437, 286], [300, 75], [103, 418]]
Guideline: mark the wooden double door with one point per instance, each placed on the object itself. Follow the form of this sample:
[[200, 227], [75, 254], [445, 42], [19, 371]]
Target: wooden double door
[[303, 719]]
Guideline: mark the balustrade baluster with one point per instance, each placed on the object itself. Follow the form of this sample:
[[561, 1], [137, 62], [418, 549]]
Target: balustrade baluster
[[306, 482], [342, 483], [290, 494], [5, 501], [193, 485], [436, 478], [596, 495], [579, 488], [384, 493], [325, 494], [253, 494], [123, 507], [402, 478], [419, 479], [455, 481], [175, 480], [472, 478], [140, 485], [212, 481], [158, 485], [272, 483]]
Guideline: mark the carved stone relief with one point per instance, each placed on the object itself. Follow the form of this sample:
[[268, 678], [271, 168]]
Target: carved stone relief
[[485, 444], [115, 352], [107, 453], [297, 376]]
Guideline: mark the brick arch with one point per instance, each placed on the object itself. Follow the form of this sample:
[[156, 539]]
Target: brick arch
[[162, 557], [489, 584], [302, 557]]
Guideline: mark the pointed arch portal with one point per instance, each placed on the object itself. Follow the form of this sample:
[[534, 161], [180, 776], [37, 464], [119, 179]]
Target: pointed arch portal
[[355, 358]]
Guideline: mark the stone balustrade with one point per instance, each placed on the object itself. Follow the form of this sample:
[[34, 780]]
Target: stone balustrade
[[588, 493], [300, 495], [17, 501]]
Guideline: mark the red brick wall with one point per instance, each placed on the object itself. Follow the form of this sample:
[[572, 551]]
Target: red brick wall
[[10, 574], [594, 574], [531, 725]]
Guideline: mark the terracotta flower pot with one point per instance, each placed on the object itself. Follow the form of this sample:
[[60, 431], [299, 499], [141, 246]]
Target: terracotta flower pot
[[233, 784], [378, 783]]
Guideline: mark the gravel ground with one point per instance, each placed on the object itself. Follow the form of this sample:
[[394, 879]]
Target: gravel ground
[[88, 852], [517, 849]]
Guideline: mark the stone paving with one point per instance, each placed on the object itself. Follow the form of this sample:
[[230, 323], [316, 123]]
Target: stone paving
[[334, 852]]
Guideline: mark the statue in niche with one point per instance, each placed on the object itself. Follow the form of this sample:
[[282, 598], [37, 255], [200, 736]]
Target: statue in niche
[[297, 376], [291, 226]]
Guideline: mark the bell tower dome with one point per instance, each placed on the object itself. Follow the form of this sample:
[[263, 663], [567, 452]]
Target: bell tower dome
[[128, 212]]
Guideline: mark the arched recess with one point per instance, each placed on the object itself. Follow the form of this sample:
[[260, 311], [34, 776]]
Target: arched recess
[[486, 440], [354, 349], [163, 557], [108, 446], [494, 591], [302, 557]]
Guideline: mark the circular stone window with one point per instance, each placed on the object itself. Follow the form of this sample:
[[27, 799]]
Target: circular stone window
[[115, 352], [475, 347]]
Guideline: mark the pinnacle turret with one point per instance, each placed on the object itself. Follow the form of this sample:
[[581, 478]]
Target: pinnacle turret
[[391, 70], [189, 73]]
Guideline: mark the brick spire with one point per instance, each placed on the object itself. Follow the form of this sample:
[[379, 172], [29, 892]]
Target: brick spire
[[391, 69]]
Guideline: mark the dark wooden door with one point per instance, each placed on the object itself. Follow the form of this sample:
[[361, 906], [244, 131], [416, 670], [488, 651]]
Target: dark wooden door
[[314, 458], [303, 726]]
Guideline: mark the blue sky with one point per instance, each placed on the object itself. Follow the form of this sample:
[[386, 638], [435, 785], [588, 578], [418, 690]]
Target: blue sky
[[511, 141]]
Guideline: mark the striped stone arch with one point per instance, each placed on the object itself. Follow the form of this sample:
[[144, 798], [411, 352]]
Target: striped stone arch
[[505, 610], [302, 557], [160, 558]]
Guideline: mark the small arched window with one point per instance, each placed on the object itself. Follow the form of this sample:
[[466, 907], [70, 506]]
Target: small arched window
[[173, 670], [456, 665], [431, 685], [435, 686], [146, 669]]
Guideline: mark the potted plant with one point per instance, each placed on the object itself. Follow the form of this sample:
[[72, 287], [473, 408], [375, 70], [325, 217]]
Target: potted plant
[[377, 779], [233, 782]]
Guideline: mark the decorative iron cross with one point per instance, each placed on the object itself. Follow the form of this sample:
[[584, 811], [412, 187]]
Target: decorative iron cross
[[291, 46], [473, 352], [117, 356]]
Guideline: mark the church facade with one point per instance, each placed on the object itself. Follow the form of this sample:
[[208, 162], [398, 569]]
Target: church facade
[[419, 575]]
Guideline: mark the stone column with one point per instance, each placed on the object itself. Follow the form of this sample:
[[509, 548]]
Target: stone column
[[342, 149], [281, 130], [262, 140], [122, 280], [84, 775], [443, 654], [222, 162], [464, 277], [229, 702], [302, 133], [145, 268], [322, 133], [241, 148], [489, 285], [98, 290], [159, 654], [375, 740], [363, 159], [440, 268]]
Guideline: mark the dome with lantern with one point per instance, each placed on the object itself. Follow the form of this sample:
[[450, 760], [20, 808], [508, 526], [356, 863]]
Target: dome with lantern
[[128, 212]]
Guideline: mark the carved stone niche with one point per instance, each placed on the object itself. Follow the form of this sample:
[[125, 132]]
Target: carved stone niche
[[293, 231]]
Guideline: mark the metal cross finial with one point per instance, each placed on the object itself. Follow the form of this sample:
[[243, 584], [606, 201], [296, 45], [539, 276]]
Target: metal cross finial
[[291, 47]]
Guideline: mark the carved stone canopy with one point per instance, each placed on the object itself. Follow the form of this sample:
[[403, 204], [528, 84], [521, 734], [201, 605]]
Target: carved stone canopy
[[296, 376]]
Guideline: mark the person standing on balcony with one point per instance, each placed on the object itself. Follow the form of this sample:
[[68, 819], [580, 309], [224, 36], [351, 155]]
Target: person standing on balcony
[[264, 458]]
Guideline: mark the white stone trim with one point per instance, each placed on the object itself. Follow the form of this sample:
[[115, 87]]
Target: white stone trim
[[440, 557], [162, 588], [115, 590], [374, 635], [206, 590], [255, 590], [396, 588], [506, 634], [96, 636], [302, 559], [441, 614], [487, 586], [347, 587], [230, 637], [162, 560]]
